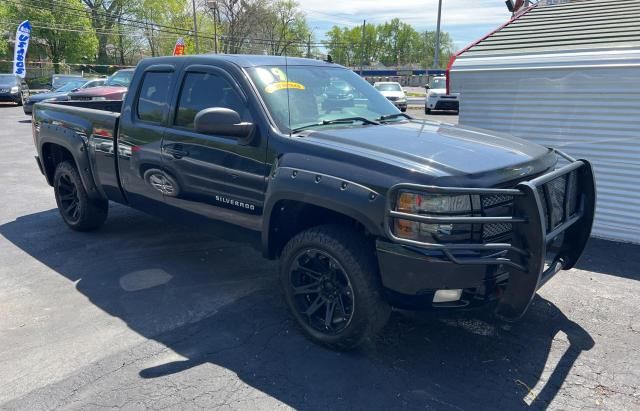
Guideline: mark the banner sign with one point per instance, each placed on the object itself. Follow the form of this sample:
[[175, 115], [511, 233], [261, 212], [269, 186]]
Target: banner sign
[[23, 34], [178, 50]]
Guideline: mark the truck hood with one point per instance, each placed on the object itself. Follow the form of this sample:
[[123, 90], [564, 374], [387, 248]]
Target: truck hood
[[397, 94], [439, 149], [45, 96]]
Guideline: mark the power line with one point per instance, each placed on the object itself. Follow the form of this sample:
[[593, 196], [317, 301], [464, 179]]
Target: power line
[[142, 25]]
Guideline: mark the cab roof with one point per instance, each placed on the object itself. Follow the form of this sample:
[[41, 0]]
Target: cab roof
[[248, 60]]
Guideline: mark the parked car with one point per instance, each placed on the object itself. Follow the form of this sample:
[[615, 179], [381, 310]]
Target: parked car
[[393, 92], [437, 97], [59, 80], [62, 93], [337, 95], [114, 88], [365, 207], [13, 89]]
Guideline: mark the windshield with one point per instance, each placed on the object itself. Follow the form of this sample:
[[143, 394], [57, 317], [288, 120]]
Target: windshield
[[72, 85], [316, 95], [58, 81], [438, 82], [120, 79], [388, 87], [8, 81]]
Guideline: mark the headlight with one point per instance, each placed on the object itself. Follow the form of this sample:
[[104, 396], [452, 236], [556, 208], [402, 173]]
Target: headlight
[[98, 98], [434, 205], [15, 89]]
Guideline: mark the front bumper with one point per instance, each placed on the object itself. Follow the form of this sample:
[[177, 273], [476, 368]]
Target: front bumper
[[443, 104], [549, 232], [9, 98], [27, 107]]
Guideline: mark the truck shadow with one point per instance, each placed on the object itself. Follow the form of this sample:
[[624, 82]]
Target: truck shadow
[[161, 279]]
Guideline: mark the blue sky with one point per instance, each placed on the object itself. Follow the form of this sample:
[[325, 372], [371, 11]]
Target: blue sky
[[465, 20]]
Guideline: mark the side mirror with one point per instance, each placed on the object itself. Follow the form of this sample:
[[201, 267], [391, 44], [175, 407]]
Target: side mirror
[[223, 121]]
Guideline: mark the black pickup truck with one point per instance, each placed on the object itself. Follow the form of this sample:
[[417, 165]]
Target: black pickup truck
[[365, 207]]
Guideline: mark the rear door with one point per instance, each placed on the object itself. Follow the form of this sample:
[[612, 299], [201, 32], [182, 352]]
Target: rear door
[[218, 176], [143, 124]]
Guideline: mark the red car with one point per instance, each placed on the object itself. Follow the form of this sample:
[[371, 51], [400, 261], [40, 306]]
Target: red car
[[114, 88]]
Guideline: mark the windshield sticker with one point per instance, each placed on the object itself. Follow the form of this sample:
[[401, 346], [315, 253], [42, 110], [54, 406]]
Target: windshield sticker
[[280, 75], [281, 85]]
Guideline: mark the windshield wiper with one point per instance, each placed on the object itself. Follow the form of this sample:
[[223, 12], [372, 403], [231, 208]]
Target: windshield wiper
[[392, 116], [346, 120]]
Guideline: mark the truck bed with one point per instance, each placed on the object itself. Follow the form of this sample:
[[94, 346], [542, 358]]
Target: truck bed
[[108, 105], [88, 127]]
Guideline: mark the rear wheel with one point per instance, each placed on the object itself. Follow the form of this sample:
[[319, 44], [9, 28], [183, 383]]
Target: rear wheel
[[78, 211], [330, 281]]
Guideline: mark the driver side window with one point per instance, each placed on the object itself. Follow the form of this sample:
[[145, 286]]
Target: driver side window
[[206, 90]]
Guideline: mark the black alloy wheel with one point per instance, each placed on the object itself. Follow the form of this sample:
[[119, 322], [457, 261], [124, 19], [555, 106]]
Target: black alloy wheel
[[69, 199], [162, 182], [329, 275], [78, 210], [323, 292]]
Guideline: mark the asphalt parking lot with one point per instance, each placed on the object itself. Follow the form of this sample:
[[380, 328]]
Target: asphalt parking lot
[[148, 314]]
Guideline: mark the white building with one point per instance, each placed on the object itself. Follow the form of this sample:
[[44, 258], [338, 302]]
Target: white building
[[566, 74]]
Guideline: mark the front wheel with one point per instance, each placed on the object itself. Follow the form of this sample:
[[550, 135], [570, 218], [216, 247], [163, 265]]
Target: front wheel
[[330, 280], [78, 211]]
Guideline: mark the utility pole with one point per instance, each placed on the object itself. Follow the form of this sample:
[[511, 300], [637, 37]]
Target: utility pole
[[364, 26], [213, 6], [309, 46], [436, 58], [195, 26]]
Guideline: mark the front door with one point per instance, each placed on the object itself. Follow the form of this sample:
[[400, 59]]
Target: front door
[[216, 176]]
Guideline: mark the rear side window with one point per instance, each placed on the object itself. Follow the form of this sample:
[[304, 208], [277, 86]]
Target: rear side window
[[207, 90], [154, 97]]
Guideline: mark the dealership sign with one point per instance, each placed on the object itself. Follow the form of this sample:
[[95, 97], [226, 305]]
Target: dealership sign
[[22, 44]]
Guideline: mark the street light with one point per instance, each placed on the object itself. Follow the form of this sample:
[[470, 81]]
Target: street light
[[213, 5]]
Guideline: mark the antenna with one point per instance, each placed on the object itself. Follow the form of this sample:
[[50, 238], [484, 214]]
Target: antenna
[[286, 72]]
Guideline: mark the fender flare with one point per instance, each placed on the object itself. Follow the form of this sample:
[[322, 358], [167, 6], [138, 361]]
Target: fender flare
[[74, 143], [340, 195]]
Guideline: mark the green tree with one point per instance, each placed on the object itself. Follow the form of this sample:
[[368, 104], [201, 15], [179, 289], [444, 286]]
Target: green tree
[[4, 44], [104, 16], [392, 43], [285, 27], [64, 36]]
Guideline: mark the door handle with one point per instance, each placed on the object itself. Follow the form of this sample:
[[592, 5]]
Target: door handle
[[176, 152]]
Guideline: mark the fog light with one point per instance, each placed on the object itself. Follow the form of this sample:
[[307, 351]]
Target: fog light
[[447, 296]]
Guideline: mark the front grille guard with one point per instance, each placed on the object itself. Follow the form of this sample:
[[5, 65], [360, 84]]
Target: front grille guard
[[525, 255]]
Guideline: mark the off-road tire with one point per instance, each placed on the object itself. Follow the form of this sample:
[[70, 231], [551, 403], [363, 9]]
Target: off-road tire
[[90, 214], [356, 255]]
